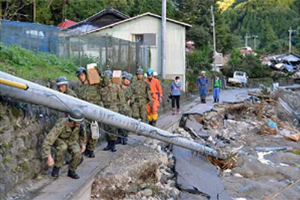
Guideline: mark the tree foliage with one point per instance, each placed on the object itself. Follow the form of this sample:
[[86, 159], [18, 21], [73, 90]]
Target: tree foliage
[[250, 64]]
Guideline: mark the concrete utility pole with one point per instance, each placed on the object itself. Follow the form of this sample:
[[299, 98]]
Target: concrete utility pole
[[17, 88], [34, 10], [246, 40], [254, 37], [290, 39], [214, 36], [163, 38]]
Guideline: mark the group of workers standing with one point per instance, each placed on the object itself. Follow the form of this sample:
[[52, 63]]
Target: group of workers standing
[[74, 135], [202, 82]]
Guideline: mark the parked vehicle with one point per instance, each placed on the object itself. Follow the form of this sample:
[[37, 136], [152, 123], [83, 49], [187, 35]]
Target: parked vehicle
[[239, 78]]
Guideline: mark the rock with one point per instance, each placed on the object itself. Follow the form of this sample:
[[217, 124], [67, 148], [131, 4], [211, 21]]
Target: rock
[[158, 148], [174, 193], [141, 168], [171, 183], [164, 160], [143, 185], [208, 117], [146, 192], [144, 198]]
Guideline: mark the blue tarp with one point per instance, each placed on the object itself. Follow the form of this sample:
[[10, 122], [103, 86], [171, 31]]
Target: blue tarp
[[32, 36]]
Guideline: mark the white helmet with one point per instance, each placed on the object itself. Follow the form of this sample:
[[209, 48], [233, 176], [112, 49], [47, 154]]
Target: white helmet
[[155, 73]]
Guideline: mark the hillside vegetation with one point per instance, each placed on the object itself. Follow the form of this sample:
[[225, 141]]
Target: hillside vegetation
[[28, 65], [270, 20]]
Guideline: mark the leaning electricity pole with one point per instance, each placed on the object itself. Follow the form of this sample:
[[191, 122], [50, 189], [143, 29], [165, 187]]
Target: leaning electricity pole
[[290, 39], [163, 38], [214, 36]]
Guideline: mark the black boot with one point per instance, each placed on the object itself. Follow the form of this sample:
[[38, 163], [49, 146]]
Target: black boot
[[154, 123], [55, 172], [113, 146], [91, 154], [86, 152], [119, 140], [124, 140], [150, 123], [108, 147], [73, 174]]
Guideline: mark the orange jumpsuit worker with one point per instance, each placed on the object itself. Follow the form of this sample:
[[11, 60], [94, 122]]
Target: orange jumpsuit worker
[[157, 95]]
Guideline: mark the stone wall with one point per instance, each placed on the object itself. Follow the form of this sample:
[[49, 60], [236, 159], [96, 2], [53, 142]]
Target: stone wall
[[22, 130]]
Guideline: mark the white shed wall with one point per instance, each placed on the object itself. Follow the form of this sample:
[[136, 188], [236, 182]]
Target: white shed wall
[[175, 42]]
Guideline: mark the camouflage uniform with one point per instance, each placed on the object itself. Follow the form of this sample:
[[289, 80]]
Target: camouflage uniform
[[125, 109], [89, 93], [71, 93], [142, 96], [65, 139], [111, 97]]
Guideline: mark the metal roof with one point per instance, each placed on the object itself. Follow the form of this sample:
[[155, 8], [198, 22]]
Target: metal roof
[[136, 17]]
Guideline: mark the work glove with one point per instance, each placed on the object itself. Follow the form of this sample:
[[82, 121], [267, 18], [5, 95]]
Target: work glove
[[160, 99]]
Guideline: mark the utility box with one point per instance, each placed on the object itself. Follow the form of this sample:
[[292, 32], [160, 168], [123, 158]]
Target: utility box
[[117, 77], [93, 73]]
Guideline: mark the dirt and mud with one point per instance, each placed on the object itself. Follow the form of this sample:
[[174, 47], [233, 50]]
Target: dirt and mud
[[266, 161]]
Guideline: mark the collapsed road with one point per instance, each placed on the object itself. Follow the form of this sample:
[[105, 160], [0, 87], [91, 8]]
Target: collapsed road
[[149, 169]]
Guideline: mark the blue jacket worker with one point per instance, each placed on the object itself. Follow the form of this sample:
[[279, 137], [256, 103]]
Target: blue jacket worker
[[175, 95], [202, 82]]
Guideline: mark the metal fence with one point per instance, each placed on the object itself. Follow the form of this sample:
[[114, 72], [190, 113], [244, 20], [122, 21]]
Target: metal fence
[[107, 51], [32, 36]]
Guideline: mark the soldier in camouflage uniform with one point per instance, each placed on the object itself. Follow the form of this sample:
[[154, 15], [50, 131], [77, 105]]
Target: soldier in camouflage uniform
[[126, 109], [90, 93], [62, 86], [67, 134], [142, 96], [111, 97]]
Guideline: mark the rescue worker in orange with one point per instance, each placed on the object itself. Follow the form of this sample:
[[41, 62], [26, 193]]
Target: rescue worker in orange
[[157, 95]]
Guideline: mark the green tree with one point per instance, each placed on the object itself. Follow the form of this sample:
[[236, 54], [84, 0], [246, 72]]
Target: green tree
[[268, 35], [250, 64]]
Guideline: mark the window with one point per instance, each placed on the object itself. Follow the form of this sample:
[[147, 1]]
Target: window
[[146, 39]]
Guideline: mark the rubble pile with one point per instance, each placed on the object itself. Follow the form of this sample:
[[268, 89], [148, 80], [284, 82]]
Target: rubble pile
[[140, 172], [263, 133]]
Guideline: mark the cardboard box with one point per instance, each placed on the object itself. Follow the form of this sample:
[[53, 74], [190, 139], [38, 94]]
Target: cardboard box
[[117, 77], [93, 74]]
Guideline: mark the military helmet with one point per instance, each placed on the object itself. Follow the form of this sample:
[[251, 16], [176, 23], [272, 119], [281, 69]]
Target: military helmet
[[108, 74], [62, 81], [140, 71], [150, 72], [76, 115], [80, 70], [124, 74], [129, 76]]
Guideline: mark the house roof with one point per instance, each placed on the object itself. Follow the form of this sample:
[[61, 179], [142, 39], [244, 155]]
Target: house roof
[[67, 23], [292, 57], [109, 10], [136, 17]]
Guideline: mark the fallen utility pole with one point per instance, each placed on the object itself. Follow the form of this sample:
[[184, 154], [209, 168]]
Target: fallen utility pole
[[41, 95]]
